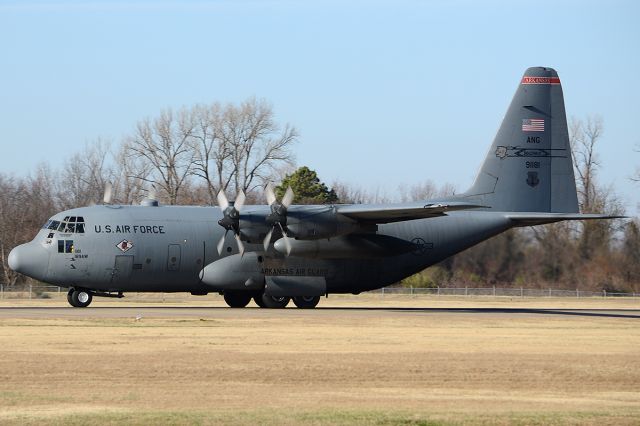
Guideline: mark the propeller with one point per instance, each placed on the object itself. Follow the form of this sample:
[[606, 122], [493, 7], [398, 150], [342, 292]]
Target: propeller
[[108, 193], [230, 218], [278, 215]]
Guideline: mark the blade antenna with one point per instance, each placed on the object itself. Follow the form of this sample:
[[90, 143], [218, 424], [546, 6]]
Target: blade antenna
[[108, 193]]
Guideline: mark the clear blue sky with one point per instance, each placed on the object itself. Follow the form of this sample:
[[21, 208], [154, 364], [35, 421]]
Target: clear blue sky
[[382, 92]]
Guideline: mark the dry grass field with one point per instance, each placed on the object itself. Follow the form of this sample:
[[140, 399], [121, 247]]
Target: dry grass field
[[355, 360]]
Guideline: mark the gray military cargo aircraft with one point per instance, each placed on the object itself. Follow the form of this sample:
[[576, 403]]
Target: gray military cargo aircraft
[[281, 251]]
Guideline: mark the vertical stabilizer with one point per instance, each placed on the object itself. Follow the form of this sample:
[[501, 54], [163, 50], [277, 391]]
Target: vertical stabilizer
[[529, 166]]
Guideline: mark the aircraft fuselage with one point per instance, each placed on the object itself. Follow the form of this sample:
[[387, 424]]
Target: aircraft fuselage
[[165, 248]]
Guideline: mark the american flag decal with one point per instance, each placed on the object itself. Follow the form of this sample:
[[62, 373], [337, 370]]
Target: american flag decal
[[533, 125]]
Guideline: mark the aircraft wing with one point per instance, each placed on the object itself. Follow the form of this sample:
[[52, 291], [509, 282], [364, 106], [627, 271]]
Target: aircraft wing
[[386, 213]]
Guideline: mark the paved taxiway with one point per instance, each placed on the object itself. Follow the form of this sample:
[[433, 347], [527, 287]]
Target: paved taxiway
[[52, 312]]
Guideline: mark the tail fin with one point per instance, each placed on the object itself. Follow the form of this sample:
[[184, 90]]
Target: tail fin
[[529, 167]]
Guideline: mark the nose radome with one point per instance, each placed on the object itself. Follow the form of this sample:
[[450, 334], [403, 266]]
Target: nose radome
[[29, 259], [14, 259]]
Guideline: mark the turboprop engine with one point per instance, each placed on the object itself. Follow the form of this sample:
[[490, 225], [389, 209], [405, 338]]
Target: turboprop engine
[[280, 220]]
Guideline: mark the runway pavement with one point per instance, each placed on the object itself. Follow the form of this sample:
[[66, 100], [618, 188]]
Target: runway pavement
[[145, 311]]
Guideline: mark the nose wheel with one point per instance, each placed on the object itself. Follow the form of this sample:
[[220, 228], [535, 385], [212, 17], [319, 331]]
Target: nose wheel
[[79, 298]]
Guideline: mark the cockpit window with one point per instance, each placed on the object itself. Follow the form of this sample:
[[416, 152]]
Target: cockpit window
[[51, 224], [70, 225]]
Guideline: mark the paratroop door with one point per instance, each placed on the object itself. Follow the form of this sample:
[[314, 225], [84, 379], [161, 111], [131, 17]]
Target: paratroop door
[[122, 269]]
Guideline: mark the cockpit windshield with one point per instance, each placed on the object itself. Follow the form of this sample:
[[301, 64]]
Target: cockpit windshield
[[69, 225]]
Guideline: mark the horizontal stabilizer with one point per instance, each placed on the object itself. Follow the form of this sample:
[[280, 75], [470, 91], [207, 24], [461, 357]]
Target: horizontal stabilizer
[[387, 213], [533, 218]]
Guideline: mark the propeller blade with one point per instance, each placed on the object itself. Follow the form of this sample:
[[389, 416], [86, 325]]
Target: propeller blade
[[240, 245], [222, 200], [287, 243], [267, 239], [108, 192], [152, 193], [288, 197], [221, 242], [240, 198], [270, 194]]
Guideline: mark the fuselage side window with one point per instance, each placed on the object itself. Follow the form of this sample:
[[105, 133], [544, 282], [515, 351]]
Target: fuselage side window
[[68, 246], [60, 246]]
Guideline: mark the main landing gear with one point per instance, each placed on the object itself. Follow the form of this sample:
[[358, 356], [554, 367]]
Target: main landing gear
[[79, 298], [240, 299], [306, 302]]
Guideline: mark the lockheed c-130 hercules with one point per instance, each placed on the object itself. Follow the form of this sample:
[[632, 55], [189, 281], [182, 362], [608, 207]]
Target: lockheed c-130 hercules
[[277, 252]]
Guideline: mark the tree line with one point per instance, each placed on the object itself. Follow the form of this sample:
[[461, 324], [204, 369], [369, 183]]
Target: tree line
[[186, 156]]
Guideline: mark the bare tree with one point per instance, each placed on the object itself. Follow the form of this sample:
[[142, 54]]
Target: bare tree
[[636, 176], [349, 194], [84, 176], [211, 153], [11, 190], [425, 191], [255, 142], [229, 148], [583, 137], [131, 174], [25, 204], [593, 198], [164, 144]]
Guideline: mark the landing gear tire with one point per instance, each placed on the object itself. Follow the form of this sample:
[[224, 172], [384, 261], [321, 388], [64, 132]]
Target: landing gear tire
[[80, 298], [273, 302], [306, 302], [237, 299]]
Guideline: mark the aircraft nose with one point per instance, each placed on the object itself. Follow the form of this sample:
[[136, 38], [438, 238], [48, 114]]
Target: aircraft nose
[[29, 259]]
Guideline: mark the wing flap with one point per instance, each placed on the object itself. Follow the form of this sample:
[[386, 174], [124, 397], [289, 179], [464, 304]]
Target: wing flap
[[533, 218], [387, 213]]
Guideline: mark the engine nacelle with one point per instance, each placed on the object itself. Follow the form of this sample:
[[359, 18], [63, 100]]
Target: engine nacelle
[[360, 246], [318, 222], [234, 273], [302, 222]]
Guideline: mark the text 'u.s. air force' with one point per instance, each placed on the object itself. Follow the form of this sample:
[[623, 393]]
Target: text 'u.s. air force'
[[129, 229]]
